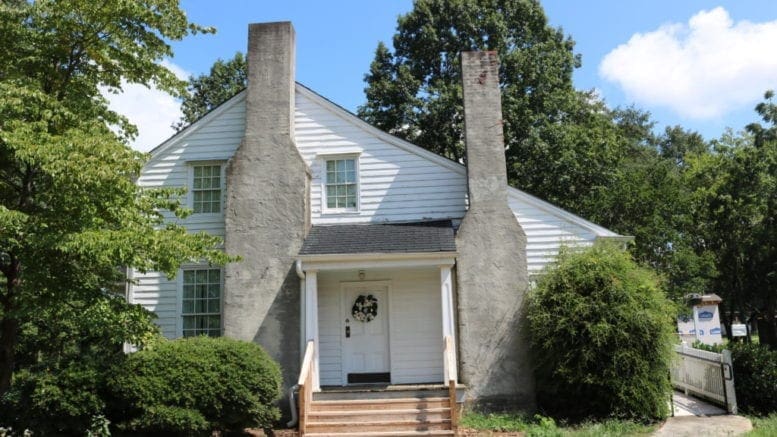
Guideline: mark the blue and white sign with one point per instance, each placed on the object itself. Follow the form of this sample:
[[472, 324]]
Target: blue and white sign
[[707, 323]]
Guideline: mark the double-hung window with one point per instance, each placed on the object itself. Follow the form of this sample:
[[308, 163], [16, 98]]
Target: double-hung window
[[201, 304], [342, 187], [206, 188]]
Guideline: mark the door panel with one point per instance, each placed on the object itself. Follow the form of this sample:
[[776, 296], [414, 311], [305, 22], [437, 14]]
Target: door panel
[[365, 344]]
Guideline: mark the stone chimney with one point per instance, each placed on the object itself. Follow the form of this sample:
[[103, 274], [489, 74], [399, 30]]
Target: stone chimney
[[491, 266], [266, 214]]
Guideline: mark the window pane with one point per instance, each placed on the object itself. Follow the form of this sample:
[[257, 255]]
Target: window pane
[[213, 291], [340, 166], [188, 322], [214, 305], [330, 166], [197, 171], [214, 276], [214, 322], [188, 276], [350, 164], [188, 306]]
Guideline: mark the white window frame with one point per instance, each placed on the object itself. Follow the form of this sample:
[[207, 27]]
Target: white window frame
[[190, 187], [180, 286], [325, 209]]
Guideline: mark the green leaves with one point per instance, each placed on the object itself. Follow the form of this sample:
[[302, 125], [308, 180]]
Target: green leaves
[[184, 386], [207, 91], [601, 331], [71, 215], [415, 92]]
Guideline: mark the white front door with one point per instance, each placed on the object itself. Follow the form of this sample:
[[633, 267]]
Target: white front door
[[365, 343]]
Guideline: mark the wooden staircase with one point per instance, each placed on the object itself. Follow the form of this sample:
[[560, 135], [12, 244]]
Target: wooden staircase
[[370, 411], [380, 413]]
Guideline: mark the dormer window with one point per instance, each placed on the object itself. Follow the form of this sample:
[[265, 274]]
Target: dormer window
[[341, 184], [206, 188]]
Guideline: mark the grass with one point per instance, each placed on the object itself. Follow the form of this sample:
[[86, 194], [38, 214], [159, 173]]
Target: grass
[[539, 426], [764, 426]]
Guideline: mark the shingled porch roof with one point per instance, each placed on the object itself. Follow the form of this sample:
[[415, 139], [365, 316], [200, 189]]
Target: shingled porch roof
[[414, 237]]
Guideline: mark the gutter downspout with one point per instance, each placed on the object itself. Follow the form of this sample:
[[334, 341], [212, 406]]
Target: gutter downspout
[[293, 391]]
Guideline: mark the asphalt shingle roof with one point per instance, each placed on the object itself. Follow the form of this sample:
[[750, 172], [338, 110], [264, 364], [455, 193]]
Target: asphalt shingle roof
[[428, 236]]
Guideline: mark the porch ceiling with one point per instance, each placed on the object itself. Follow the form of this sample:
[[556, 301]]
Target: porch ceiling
[[395, 238]]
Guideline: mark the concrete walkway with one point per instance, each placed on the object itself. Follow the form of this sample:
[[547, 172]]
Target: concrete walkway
[[694, 417]]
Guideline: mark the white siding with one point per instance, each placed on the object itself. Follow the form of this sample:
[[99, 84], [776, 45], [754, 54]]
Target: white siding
[[546, 233], [415, 324], [158, 294], [214, 139], [395, 184]]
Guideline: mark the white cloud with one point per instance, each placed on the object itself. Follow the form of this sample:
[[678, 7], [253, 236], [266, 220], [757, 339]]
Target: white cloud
[[151, 110], [702, 69]]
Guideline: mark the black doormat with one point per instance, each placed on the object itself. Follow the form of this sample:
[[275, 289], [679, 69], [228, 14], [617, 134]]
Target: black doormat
[[366, 378]]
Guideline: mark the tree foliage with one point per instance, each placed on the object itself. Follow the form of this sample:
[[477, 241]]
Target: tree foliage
[[560, 143], [70, 212], [733, 210], [601, 331], [207, 91]]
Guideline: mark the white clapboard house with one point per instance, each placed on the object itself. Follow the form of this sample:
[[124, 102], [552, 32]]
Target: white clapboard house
[[368, 263]]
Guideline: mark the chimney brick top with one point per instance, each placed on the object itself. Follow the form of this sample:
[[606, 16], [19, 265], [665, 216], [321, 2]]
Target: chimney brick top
[[486, 165]]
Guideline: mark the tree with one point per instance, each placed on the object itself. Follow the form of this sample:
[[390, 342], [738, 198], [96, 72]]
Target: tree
[[70, 213], [207, 91], [560, 143], [734, 208]]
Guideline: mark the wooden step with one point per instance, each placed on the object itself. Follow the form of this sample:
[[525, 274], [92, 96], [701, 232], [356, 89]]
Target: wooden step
[[378, 433], [380, 404], [359, 416], [388, 425], [350, 393]]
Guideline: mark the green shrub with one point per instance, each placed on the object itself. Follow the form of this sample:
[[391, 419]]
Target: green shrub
[[191, 386], [55, 401], [601, 333], [755, 378]]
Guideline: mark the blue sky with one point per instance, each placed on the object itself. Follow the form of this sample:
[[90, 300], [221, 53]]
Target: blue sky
[[701, 64]]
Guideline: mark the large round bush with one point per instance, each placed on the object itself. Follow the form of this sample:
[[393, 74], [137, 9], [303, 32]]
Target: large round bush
[[601, 333], [195, 385]]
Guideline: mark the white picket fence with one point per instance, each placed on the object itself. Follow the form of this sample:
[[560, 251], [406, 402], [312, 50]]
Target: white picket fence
[[705, 374]]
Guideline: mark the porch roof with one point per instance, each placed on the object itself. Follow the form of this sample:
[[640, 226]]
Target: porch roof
[[415, 237]]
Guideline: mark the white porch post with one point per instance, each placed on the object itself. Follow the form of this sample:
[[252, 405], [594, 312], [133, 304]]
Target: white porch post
[[311, 319], [448, 320]]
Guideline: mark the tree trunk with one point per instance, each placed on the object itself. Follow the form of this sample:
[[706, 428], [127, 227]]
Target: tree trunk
[[9, 326], [767, 325], [8, 336]]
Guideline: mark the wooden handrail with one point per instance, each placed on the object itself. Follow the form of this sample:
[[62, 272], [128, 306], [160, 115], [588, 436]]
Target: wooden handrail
[[449, 360], [305, 383]]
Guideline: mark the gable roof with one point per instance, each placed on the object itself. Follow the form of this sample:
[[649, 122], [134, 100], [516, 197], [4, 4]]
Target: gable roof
[[354, 120]]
